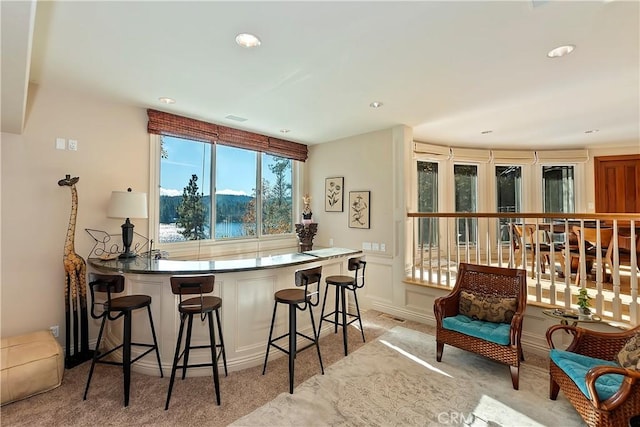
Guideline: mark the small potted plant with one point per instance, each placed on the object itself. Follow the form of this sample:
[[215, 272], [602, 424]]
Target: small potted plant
[[583, 303]]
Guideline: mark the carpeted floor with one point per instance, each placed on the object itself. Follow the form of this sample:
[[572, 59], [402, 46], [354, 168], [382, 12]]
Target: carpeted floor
[[395, 380], [193, 401]]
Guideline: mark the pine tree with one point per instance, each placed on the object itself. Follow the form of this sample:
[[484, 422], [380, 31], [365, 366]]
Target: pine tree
[[192, 212], [276, 201]]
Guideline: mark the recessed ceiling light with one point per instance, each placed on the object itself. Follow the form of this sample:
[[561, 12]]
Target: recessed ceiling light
[[561, 51], [592, 131], [376, 104], [166, 100], [247, 40], [285, 130], [484, 132]]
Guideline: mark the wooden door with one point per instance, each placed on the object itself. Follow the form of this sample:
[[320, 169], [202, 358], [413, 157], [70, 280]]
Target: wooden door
[[617, 184]]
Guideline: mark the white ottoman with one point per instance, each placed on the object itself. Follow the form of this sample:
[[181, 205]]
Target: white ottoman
[[31, 364]]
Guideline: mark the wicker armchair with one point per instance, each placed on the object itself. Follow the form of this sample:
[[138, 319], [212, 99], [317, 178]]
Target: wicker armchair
[[618, 409], [488, 281]]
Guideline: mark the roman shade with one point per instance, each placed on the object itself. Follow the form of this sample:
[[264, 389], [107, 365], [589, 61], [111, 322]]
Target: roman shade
[[436, 152], [563, 156], [471, 155], [511, 157], [167, 124]]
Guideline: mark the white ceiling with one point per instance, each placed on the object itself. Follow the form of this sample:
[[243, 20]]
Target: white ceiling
[[449, 70]]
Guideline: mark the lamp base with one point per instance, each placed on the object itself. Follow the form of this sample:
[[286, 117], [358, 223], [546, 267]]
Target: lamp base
[[127, 255]]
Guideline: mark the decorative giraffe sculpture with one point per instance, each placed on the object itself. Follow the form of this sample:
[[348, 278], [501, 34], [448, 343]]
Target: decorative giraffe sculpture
[[75, 269]]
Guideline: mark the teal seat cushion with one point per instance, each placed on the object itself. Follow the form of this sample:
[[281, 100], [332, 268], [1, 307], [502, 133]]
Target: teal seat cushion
[[489, 331], [576, 367]]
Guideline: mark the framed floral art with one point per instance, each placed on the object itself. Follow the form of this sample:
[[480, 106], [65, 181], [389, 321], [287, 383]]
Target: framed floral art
[[334, 194], [359, 209]]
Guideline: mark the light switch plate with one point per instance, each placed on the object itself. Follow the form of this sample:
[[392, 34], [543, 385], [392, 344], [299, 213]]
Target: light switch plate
[[61, 143]]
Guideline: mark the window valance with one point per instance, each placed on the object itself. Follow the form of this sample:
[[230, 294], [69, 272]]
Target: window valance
[[568, 156], [513, 157], [436, 152], [471, 154], [161, 123]]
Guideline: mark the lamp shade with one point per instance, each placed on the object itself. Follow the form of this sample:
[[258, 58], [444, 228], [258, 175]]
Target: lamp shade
[[127, 204]]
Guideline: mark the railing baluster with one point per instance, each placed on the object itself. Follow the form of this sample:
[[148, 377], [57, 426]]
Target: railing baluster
[[568, 260], [617, 301], [552, 263], [448, 253], [634, 307]]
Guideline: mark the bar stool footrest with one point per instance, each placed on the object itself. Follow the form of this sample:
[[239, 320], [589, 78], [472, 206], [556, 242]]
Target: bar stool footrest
[[298, 349], [109, 362]]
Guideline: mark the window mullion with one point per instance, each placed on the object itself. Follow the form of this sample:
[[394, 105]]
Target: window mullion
[[214, 197], [259, 190]]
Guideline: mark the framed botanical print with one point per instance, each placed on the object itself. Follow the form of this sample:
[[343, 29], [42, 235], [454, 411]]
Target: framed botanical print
[[334, 194], [359, 209]]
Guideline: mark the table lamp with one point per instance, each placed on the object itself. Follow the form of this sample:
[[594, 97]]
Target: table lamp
[[127, 204]]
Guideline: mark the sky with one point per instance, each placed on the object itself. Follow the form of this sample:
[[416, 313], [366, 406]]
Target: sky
[[235, 168]]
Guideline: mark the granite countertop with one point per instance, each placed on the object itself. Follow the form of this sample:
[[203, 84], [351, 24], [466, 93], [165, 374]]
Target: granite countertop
[[140, 265]]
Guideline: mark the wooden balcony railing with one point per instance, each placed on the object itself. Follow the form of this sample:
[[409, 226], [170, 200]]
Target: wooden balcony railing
[[561, 252]]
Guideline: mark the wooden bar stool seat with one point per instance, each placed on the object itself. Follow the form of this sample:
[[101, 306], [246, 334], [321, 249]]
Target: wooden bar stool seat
[[119, 307], [340, 316], [302, 298], [205, 306]]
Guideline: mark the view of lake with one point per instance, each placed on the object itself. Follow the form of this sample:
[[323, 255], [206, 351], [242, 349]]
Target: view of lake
[[169, 232]]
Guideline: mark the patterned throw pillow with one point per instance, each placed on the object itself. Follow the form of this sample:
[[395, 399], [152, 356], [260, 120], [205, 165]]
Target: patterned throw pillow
[[490, 308], [629, 356]]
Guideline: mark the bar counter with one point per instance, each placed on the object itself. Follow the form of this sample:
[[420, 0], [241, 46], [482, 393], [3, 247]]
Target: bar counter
[[246, 287]]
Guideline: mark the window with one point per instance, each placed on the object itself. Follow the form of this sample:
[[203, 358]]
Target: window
[[508, 194], [235, 192], [185, 186], [558, 189], [277, 204], [251, 188], [466, 195], [428, 201]]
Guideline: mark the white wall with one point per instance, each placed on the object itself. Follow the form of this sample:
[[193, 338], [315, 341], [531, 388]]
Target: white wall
[[365, 162], [113, 154]]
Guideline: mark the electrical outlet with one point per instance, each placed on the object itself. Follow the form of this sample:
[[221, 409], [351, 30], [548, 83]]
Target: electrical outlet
[[55, 330], [73, 145], [330, 242], [383, 247]]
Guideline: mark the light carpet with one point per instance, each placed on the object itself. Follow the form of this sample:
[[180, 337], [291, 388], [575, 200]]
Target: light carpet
[[396, 380]]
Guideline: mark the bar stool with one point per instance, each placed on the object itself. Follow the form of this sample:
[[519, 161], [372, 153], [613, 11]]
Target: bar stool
[[343, 284], [294, 298], [204, 306], [122, 306]]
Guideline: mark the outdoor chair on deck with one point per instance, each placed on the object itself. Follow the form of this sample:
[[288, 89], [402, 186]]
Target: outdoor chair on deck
[[483, 314]]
